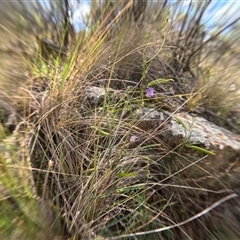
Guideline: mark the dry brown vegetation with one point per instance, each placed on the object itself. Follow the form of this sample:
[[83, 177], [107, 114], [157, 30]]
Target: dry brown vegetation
[[68, 170]]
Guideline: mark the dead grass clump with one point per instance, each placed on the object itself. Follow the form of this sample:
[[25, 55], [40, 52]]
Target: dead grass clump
[[101, 174]]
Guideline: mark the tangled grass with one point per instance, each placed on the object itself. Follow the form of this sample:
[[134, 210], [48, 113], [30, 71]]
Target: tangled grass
[[74, 171]]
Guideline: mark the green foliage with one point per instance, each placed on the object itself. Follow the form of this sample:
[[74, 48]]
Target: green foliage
[[159, 81], [200, 149]]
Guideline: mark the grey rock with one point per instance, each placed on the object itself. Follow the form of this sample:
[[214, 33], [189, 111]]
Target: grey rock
[[94, 96], [201, 131]]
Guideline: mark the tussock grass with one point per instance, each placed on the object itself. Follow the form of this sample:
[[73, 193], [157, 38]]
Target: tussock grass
[[73, 169]]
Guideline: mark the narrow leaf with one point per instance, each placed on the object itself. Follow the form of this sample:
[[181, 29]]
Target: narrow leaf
[[199, 149], [181, 122], [126, 174], [159, 81], [100, 131]]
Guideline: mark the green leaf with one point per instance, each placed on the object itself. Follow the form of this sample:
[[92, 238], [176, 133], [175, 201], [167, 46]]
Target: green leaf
[[181, 122], [151, 146], [159, 81], [130, 188], [100, 131], [199, 149], [126, 174]]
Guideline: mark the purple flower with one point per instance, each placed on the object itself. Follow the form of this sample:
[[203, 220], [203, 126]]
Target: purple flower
[[133, 138], [150, 93]]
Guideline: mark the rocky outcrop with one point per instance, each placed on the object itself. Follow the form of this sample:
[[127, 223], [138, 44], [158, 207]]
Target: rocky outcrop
[[212, 151], [196, 137]]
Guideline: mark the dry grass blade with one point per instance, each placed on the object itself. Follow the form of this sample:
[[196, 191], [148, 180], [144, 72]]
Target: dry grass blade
[[231, 196], [76, 103]]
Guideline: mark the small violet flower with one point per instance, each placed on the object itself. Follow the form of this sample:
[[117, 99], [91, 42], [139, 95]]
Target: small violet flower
[[150, 93], [133, 138]]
